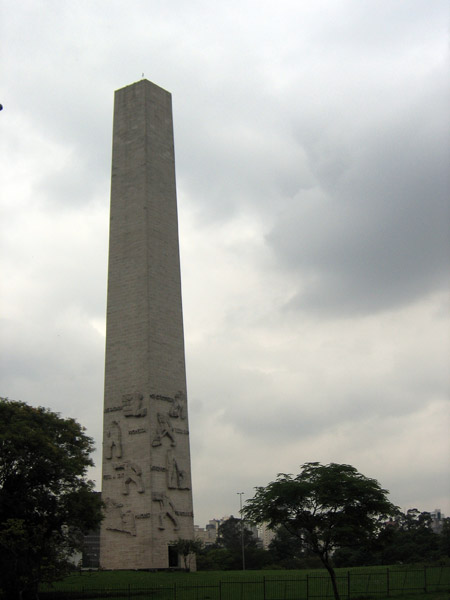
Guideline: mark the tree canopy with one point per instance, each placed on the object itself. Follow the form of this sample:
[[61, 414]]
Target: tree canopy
[[409, 539], [226, 553], [187, 549], [46, 502], [230, 534], [326, 506]]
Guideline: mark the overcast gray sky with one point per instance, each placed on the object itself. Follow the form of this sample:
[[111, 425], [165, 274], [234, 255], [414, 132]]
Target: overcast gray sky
[[311, 142]]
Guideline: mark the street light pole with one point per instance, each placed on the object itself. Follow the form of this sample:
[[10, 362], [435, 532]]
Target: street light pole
[[240, 494]]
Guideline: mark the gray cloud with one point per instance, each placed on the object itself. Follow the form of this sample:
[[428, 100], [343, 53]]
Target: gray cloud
[[374, 236], [311, 148]]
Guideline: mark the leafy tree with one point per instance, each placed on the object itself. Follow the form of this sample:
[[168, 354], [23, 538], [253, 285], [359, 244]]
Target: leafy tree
[[444, 538], [325, 506], [409, 538], [288, 551], [226, 553], [406, 538], [46, 503], [229, 535], [213, 558], [187, 549]]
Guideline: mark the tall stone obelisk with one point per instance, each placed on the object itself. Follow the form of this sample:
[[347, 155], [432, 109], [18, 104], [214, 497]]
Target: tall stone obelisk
[[146, 459]]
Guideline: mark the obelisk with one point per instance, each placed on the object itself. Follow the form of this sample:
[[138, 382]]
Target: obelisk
[[146, 483]]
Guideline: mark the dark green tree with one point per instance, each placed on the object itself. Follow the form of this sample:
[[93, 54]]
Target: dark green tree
[[406, 538], [226, 553], [325, 506], [213, 558], [229, 536], [444, 537], [187, 549], [229, 539], [46, 502], [409, 538], [288, 552]]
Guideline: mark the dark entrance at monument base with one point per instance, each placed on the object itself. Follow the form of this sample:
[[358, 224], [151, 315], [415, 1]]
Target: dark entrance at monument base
[[173, 557]]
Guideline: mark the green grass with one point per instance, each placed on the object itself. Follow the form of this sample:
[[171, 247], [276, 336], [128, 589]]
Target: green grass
[[405, 583], [429, 596]]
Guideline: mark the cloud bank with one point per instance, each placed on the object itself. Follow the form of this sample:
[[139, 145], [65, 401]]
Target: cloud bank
[[312, 151]]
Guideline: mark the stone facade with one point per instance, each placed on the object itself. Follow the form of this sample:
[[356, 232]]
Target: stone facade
[[146, 459]]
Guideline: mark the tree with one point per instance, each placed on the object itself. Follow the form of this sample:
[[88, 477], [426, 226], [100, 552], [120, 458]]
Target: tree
[[325, 506], [187, 549], [213, 558], [229, 536], [46, 502], [409, 538], [288, 551], [226, 553], [444, 537]]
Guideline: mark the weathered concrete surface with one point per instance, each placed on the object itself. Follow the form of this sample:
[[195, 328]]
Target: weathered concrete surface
[[146, 459]]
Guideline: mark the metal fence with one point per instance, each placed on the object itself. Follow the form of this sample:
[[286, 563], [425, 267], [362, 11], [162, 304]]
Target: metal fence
[[353, 585]]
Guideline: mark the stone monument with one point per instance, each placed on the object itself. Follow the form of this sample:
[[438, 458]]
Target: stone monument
[[146, 484]]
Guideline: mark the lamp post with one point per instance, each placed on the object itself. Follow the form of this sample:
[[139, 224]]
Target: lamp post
[[240, 494]]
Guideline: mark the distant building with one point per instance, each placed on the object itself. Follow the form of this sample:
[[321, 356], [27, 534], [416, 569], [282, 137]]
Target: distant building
[[208, 534], [437, 520], [266, 535]]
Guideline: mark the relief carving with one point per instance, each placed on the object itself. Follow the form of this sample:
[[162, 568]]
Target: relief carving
[[164, 429], [166, 510], [160, 397], [119, 520], [176, 477], [113, 441], [135, 431], [183, 431], [178, 409], [132, 405], [132, 473], [112, 409]]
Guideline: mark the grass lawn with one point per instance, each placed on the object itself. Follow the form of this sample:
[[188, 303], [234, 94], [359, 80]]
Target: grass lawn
[[429, 596], [407, 583]]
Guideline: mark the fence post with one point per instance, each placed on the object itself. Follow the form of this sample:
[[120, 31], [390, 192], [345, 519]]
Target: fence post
[[264, 587], [425, 579], [387, 582], [175, 591], [307, 586], [348, 584], [220, 590]]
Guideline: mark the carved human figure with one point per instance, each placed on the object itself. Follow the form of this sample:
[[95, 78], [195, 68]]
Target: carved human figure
[[113, 441], [132, 473], [117, 519], [176, 477], [166, 509], [133, 405], [178, 409], [164, 429]]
